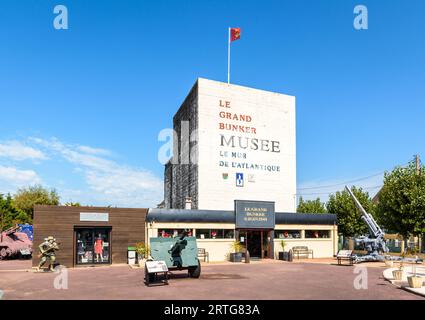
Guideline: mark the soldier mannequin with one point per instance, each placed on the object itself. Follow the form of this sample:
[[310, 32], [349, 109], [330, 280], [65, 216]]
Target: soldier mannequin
[[47, 250], [177, 248]]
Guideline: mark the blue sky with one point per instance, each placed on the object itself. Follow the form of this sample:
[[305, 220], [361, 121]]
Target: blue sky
[[81, 109]]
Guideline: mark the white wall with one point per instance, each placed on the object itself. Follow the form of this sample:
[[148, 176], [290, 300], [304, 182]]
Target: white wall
[[218, 249], [322, 248], [273, 117]]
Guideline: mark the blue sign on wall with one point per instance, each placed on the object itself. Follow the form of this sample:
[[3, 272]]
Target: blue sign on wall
[[254, 214], [239, 179], [28, 229]]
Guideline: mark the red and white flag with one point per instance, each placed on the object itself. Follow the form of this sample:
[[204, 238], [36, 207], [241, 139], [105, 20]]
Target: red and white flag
[[235, 34]]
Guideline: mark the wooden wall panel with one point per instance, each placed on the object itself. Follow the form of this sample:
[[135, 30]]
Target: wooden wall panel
[[127, 228]]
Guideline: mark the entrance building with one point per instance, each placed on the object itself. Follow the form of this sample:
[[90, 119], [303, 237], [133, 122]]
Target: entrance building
[[217, 230]]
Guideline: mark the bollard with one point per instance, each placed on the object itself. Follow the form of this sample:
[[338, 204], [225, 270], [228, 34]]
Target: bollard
[[247, 257], [290, 255]]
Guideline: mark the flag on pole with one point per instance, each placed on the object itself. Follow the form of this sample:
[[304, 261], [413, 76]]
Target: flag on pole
[[234, 34]]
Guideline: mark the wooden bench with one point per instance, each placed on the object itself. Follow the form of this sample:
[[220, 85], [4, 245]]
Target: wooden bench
[[302, 250], [345, 255], [203, 254]]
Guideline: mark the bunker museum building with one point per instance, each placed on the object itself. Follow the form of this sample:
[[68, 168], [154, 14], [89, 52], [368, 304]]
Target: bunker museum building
[[232, 176]]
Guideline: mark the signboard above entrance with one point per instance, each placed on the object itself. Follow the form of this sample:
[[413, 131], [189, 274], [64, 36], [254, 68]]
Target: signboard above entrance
[[94, 216], [254, 214]]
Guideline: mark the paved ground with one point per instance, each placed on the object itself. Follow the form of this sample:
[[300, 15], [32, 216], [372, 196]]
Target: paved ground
[[261, 280]]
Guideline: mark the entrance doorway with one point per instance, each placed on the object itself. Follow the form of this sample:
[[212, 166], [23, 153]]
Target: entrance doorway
[[92, 246], [257, 242], [254, 243]]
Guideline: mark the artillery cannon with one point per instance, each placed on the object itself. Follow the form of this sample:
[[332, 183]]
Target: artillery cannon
[[374, 243], [14, 243], [177, 253]]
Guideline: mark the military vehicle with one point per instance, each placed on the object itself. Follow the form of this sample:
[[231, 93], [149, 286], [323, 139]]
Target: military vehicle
[[14, 244], [178, 254]]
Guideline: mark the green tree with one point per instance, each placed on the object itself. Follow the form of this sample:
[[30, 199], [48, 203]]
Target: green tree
[[401, 205], [73, 204], [9, 214], [311, 206], [348, 216], [26, 198]]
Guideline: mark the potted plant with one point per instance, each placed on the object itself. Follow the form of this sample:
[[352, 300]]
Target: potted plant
[[236, 254], [398, 274], [414, 280], [283, 255], [142, 251]]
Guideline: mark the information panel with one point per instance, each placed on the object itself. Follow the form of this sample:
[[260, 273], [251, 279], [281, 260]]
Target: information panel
[[156, 266]]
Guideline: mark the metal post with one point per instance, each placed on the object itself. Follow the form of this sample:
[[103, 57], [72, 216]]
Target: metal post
[[228, 59]]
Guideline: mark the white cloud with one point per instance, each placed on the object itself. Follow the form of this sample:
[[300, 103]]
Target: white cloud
[[72, 154], [15, 150], [109, 182], [12, 178], [94, 151]]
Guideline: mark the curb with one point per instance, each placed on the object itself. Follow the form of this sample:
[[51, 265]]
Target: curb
[[401, 284]]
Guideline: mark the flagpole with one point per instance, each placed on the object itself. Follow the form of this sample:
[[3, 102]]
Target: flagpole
[[228, 59]]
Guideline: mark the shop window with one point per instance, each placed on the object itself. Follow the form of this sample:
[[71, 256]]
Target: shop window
[[312, 234], [287, 234], [93, 246], [215, 233], [229, 234], [172, 233]]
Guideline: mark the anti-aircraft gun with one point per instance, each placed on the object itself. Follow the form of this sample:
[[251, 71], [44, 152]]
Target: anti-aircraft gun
[[374, 243]]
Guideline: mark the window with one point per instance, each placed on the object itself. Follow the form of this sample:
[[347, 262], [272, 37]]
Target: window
[[173, 233], [312, 234], [287, 234], [215, 233], [92, 245], [229, 234]]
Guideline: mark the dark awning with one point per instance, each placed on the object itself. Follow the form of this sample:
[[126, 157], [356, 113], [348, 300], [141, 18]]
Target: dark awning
[[305, 218], [218, 216]]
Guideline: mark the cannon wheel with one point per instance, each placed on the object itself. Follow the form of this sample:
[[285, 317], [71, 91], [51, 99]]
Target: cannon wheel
[[195, 272], [149, 277]]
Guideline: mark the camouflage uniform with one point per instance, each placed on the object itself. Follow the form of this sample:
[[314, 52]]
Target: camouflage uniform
[[47, 250]]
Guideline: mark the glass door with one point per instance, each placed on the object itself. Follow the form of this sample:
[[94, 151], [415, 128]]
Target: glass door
[[254, 245], [92, 245]]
